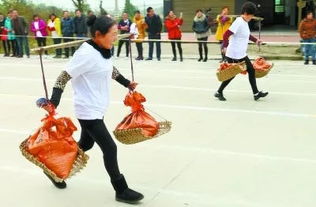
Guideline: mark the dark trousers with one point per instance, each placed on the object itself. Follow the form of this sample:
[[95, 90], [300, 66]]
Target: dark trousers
[[13, 46], [73, 49], [57, 41], [6, 47], [23, 46], [120, 44], [251, 75], [174, 51], [41, 42], [95, 131], [139, 46], [151, 45], [221, 48], [203, 45]]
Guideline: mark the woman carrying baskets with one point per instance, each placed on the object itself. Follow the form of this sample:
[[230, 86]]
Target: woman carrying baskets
[[90, 71], [236, 49]]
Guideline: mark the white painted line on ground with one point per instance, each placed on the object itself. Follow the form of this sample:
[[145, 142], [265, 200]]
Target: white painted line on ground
[[240, 154], [207, 151], [201, 108], [213, 109], [212, 90], [172, 87]]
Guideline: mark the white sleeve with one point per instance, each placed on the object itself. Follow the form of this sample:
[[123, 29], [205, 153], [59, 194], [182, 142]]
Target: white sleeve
[[234, 27], [80, 63]]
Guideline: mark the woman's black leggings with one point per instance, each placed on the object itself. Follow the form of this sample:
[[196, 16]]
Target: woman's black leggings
[[251, 75], [204, 44], [174, 51], [96, 131]]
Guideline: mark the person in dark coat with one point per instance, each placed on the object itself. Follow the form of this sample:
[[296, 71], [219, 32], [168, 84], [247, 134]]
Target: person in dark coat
[[67, 25], [80, 25], [20, 29], [154, 32]]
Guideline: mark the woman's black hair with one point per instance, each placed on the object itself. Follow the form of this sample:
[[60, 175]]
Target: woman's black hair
[[101, 24], [198, 10], [52, 14], [35, 15], [309, 12], [137, 12], [148, 9], [249, 8]]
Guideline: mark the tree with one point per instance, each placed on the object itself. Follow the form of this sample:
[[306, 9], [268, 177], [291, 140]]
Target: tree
[[130, 8], [102, 10], [81, 5]]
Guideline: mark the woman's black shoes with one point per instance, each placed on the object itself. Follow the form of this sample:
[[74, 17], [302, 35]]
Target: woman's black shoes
[[129, 196], [220, 96], [260, 95], [125, 194], [200, 59], [60, 185], [174, 59]]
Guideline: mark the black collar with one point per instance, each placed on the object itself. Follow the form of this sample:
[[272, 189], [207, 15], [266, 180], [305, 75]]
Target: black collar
[[106, 53]]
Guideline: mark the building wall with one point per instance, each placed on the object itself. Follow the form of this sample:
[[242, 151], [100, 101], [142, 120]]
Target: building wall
[[188, 7]]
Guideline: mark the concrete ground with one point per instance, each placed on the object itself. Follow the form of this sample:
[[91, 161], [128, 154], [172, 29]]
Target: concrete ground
[[238, 153]]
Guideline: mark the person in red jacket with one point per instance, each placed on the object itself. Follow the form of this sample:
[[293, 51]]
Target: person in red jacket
[[173, 25]]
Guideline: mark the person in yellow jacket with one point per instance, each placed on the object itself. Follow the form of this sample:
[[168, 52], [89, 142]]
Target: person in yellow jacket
[[54, 28], [224, 23], [141, 26]]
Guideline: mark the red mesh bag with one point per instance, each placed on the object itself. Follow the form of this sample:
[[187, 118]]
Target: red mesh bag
[[53, 148], [261, 64], [139, 126], [262, 67], [138, 118]]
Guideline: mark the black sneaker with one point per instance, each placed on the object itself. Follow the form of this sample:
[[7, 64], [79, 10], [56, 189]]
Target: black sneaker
[[129, 196], [260, 95], [200, 59], [220, 96], [306, 62], [174, 59], [60, 185], [314, 62], [149, 58]]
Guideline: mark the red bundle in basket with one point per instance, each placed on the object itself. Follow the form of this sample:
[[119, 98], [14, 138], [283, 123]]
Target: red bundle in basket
[[261, 64], [52, 147], [138, 118], [224, 66]]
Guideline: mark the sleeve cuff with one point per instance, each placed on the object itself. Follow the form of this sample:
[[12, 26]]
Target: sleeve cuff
[[56, 96], [122, 80]]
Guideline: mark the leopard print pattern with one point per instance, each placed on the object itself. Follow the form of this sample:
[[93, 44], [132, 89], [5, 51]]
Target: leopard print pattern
[[115, 73], [62, 80]]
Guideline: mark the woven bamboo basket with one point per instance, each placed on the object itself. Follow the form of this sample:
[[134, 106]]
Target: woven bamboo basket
[[262, 73], [232, 71], [79, 163], [133, 136]]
